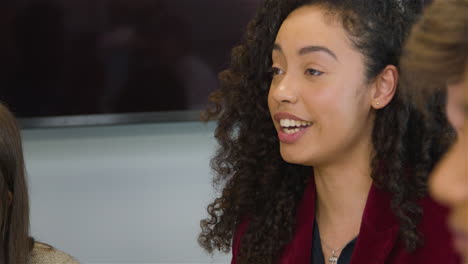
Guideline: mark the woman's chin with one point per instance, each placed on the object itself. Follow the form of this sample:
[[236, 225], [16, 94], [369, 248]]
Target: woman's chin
[[296, 158]]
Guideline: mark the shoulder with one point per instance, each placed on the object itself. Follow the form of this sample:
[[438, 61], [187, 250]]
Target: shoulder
[[437, 246], [45, 254], [238, 234], [434, 225]]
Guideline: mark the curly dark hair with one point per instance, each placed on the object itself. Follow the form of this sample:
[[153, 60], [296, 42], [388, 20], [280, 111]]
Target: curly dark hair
[[256, 183]]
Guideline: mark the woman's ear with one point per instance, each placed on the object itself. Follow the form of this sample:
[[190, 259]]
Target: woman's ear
[[384, 87]]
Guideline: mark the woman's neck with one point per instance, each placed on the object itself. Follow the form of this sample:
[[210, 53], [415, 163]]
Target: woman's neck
[[342, 191]]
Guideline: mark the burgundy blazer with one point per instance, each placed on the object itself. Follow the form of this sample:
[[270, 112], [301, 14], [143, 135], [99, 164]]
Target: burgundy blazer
[[377, 242]]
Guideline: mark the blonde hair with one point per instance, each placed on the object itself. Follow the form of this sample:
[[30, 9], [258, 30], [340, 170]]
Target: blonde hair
[[436, 51]]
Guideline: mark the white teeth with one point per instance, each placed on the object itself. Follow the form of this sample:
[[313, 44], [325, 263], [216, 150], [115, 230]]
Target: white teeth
[[294, 123], [291, 130]]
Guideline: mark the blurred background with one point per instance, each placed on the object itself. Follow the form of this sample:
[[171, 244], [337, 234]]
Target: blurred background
[[120, 193], [82, 57]]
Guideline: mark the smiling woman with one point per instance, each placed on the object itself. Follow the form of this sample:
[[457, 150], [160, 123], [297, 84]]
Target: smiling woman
[[319, 157], [324, 84]]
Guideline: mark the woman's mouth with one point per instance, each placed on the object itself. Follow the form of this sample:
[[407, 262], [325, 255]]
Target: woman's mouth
[[461, 242], [290, 126], [291, 130], [458, 225]]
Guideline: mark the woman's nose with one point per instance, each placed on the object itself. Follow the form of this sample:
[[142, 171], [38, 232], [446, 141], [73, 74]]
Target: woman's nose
[[449, 180], [284, 90]]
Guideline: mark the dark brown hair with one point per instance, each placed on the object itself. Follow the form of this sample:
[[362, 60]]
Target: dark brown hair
[[14, 204], [254, 180]]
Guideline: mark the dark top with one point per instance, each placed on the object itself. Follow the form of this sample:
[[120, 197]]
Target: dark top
[[317, 254]]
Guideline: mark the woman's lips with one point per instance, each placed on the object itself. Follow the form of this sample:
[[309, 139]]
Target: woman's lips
[[461, 242], [291, 127], [291, 137], [285, 115], [458, 221]]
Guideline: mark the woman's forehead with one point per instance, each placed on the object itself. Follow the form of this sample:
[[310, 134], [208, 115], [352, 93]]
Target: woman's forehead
[[309, 26]]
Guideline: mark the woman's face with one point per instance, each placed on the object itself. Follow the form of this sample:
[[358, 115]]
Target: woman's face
[[318, 98], [449, 181]]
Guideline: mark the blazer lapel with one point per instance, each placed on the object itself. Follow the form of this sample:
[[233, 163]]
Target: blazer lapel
[[377, 236], [299, 251], [378, 232]]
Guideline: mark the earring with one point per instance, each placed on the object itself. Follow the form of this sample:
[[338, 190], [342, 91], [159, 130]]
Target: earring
[[377, 102]]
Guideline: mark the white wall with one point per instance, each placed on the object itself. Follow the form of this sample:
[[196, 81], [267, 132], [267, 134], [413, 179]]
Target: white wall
[[122, 194]]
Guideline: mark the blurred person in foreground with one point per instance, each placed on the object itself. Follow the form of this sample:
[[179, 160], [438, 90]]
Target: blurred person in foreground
[[435, 64], [16, 245]]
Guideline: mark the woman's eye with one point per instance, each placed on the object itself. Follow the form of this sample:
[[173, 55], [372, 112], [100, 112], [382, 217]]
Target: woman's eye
[[313, 72], [276, 71]]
